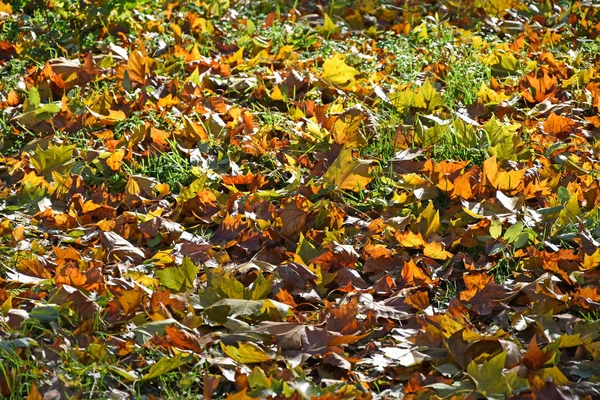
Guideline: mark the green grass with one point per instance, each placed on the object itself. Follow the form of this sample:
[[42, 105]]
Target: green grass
[[170, 167]]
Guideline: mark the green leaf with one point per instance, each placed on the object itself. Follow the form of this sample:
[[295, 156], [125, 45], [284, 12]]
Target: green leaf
[[306, 250], [429, 136], [502, 139], [563, 194], [261, 287], [466, 134], [127, 375], [47, 108], [180, 278], [227, 286], [246, 308], [34, 97], [245, 353], [513, 232], [54, 158], [495, 228], [258, 379], [488, 377], [521, 240], [165, 365]]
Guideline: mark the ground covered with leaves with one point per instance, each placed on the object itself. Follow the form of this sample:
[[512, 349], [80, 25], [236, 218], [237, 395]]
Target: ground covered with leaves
[[266, 199]]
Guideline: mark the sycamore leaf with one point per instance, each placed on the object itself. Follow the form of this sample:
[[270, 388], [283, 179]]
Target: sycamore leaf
[[337, 72], [429, 220], [489, 378], [250, 308], [503, 139], [53, 158], [436, 250], [245, 353], [136, 66], [502, 180], [347, 128], [329, 26], [115, 160], [6, 8], [348, 174], [165, 365], [179, 278], [427, 97]]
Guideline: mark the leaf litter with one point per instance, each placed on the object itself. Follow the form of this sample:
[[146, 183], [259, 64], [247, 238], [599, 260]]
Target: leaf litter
[[223, 200]]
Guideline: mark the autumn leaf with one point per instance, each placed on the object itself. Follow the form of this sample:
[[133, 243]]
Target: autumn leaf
[[347, 173], [165, 365], [502, 180], [245, 353], [337, 72], [179, 278], [489, 377]]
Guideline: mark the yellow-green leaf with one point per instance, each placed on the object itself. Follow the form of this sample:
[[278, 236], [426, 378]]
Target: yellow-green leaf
[[53, 158], [245, 353], [337, 72], [429, 220], [347, 173], [179, 278], [165, 365], [489, 378]]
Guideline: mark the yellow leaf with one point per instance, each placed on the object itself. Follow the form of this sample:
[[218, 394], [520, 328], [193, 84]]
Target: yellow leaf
[[337, 72], [429, 220], [591, 261], [276, 94], [245, 353], [193, 132], [410, 240], [420, 31], [236, 58], [346, 128], [347, 173], [437, 251], [61, 184], [427, 97], [130, 299], [329, 26]]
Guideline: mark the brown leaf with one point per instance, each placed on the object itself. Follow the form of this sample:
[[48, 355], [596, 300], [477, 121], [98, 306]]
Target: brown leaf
[[116, 246]]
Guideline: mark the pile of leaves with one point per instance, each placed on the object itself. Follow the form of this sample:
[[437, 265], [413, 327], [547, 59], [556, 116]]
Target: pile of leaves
[[266, 199]]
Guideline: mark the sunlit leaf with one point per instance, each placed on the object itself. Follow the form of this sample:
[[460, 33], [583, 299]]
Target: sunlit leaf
[[347, 173], [245, 353], [337, 72], [179, 278]]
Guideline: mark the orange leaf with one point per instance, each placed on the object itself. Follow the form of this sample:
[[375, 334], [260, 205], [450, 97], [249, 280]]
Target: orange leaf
[[502, 180], [466, 186], [136, 66], [115, 160], [557, 125], [410, 239]]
